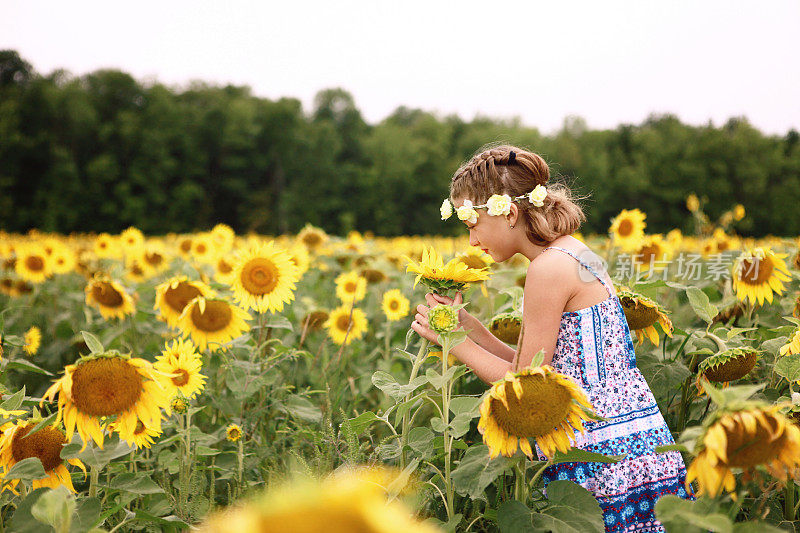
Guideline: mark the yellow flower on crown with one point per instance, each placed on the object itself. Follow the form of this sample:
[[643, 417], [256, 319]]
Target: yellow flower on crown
[[537, 195], [499, 204], [446, 210], [467, 213]]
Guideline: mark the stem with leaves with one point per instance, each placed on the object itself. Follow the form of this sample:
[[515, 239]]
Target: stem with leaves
[[421, 354]]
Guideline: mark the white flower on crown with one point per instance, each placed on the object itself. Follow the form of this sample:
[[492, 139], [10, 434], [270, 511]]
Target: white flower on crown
[[447, 209], [499, 204], [467, 213], [537, 195]]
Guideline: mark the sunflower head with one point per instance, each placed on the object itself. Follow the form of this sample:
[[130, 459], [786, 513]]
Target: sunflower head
[[311, 237], [264, 278], [728, 365], [233, 433], [179, 404], [743, 440], [173, 295], [443, 318], [33, 338], [395, 305], [442, 278], [506, 327], [627, 229], [315, 319], [212, 322], [109, 297], [346, 324], [536, 403], [759, 272], [642, 314]]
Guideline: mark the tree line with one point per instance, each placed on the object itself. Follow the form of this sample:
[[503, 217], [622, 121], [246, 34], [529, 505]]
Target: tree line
[[104, 151]]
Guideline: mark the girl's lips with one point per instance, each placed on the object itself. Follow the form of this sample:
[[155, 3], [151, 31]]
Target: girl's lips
[[485, 250]]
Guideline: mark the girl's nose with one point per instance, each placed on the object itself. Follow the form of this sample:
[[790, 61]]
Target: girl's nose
[[473, 241]]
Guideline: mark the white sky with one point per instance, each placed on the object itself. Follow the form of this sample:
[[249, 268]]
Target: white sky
[[610, 62]]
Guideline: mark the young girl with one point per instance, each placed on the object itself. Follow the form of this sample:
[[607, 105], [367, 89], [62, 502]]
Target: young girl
[[570, 311]]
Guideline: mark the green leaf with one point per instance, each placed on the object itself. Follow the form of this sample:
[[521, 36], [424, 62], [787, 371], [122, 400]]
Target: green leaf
[[55, 508], [460, 425], [360, 423], [671, 448], [279, 322], [466, 405], [166, 523], [689, 516], [22, 521], [537, 359], [737, 331], [302, 408], [87, 515], [476, 471], [514, 517], [400, 482], [13, 402], [28, 469], [42, 424], [27, 366], [773, 346], [421, 441], [576, 454], [136, 483], [386, 382], [94, 344], [788, 367], [701, 305], [113, 448], [571, 509], [440, 380], [756, 526]]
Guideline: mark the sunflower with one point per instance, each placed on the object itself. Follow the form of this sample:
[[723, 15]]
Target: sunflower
[[728, 365], [642, 313], [314, 320], [109, 297], [343, 503], [351, 287], [185, 247], [506, 327], [223, 237], [63, 260], [173, 295], [373, 275], [692, 203], [744, 440], [33, 339], [475, 258], [536, 403], [395, 305], [153, 258], [738, 212], [312, 237], [46, 444], [181, 365], [212, 321], [627, 229], [298, 254], [142, 436], [105, 246], [343, 329], [203, 250], [233, 432], [134, 271], [440, 277], [264, 278], [33, 263], [443, 318], [653, 252], [101, 386], [793, 346], [759, 272], [452, 360], [131, 239]]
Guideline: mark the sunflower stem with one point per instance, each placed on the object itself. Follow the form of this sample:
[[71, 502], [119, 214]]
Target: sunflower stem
[[423, 347], [240, 464], [539, 472], [719, 342], [448, 484], [685, 393], [520, 485], [789, 496], [94, 475]]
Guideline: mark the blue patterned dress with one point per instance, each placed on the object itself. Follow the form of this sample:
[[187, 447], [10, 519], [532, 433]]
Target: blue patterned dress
[[595, 349]]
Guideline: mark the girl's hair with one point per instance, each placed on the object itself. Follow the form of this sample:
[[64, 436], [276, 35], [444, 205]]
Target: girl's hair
[[493, 172]]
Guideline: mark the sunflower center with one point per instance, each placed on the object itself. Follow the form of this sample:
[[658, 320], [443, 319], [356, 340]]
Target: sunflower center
[[181, 295], [648, 253], [217, 316], [625, 228], [312, 239], [34, 263], [45, 444], [105, 294], [393, 305], [201, 248], [181, 379], [756, 271], [136, 270], [350, 287], [746, 450], [154, 258], [343, 322], [224, 267], [260, 276], [186, 245], [544, 406], [105, 386], [638, 316]]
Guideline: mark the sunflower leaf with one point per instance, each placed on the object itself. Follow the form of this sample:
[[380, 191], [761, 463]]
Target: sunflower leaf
[[136, 483], [789, 367], [701, 304], [476, 471], [513, 517], [94, 344], [30, 469], [42, 424], [360, 423], [55, 508], [688, 516], [13, 402], [571, 508]]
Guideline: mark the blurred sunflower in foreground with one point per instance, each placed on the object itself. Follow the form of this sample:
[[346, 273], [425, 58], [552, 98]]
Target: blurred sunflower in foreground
[[536, 403], [440, 277], [746, 440], [345, 503], [17, 445], [759, 272]]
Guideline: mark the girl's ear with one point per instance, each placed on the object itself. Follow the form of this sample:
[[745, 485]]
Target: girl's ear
[[513, 214]]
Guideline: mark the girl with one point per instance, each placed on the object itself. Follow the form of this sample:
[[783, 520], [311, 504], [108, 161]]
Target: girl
[[571, 311]]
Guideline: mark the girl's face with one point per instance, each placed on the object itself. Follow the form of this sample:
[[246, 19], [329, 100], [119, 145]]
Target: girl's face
[[491, 234]]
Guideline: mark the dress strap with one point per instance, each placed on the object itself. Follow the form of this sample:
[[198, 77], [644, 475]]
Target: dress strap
[[584, 265]]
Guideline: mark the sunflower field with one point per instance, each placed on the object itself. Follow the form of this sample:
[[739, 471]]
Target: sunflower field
[[221, 382]]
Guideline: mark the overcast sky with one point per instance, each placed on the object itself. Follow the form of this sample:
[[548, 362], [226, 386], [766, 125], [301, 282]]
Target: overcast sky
[[610, 62]]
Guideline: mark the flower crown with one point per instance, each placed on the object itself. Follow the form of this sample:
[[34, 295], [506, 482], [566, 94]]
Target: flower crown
[[497, 204]]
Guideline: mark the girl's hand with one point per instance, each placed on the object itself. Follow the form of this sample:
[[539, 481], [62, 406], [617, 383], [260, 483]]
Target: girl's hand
[[465, 320], [420, 324]]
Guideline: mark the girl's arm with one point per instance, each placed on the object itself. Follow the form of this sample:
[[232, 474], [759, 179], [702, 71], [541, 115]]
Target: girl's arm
[[475, 329]]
